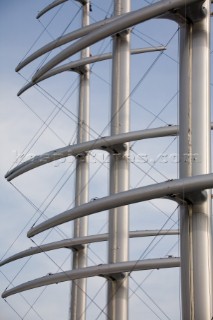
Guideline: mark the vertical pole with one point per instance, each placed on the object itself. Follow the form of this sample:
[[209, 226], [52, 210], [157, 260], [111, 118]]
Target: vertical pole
[[195, 219], [78, 292], [119, 167]]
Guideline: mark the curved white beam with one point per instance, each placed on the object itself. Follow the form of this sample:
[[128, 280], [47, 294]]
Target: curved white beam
[[102, 143], [77, 65], [105, 143], [49, 7], [63, 40], [100, 270], [178, 187], [72, 243], [121, 23]]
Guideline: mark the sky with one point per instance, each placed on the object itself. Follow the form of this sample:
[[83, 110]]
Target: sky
[[33, 124]]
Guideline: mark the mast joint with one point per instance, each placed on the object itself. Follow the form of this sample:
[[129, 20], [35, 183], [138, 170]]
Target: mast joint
[[80, 69], [117, 149], [83, 2], [193, 13], [76, 247], [191, 198], [123, 33], [114, 276]]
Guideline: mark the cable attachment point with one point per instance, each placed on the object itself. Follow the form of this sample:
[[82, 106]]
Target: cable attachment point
[[114, 276]]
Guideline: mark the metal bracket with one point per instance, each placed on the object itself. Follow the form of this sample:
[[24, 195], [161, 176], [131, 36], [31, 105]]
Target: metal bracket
[[76, 247], [191, 197], [81, 69], [117, 149], [83, 2], [190, 14], [81, 155], [114, 276], [123, 33], [196, 197]]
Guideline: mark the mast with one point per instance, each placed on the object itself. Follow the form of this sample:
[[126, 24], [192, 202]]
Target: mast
[[194, 144], [119, 167], [78, 291]]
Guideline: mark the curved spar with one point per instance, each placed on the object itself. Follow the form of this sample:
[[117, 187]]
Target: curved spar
[[74, 243], [78, 65], [105, 270], [175, 189], [63, 40], [105, 143], [119, 24], [49, 7], [66, 244]]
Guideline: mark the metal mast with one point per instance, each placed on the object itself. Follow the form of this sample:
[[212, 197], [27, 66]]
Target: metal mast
[[194, 137], [78, 292], [119, 167]]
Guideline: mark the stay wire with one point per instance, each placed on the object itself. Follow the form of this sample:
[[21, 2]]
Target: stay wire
[[45, 29], [145, 253], [147, 305], [139, 285], [23, 297], [141, 256], [147, 71], [53, 114], [161, 110], [139, 81], [153, 165], [152, 300], [106, 12], [89, 304], [136, 30], [92, 299], [31, 305], [158, 208], [131, 99], [37, 209], [160, 238], [44, 289], [14, 310], [59, 268], [146, 173], [68, 277], [53, 38], [43, 121], [55, 195], [46, 236], [148, 111], [38, 38], [149, 274]]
